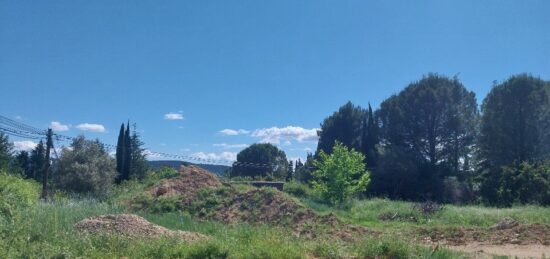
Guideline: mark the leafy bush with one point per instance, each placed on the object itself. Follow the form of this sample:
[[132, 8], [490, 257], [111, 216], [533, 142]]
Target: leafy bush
[[340, 174], [297, 189], [86, 168], [528, 183], [16, 193]]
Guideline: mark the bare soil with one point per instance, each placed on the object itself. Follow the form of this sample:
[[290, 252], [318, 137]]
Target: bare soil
[[132, 226], [190, 180], [481, 250], [508, 238]]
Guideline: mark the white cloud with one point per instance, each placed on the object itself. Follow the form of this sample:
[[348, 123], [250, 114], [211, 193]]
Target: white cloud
[[91, 127], [24, 145], [174, 116], [227, 156], [232, 132], [18, 117], [275, 135], [150, 154], [231, 146], [57, 126]]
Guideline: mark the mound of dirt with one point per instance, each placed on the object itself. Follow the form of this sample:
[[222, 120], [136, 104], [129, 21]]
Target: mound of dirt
[[132, 226], [516, 234], [190, 180], [505, 223], [269, 206], [263, 206]]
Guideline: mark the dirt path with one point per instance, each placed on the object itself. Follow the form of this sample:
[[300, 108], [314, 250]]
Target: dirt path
[[513, 251]]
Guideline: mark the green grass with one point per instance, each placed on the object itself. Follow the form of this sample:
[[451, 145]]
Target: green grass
[[367, 212], [46, 231]]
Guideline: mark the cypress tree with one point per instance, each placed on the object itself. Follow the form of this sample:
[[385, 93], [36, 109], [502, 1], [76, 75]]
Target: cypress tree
[[127, 153], [120, 154]]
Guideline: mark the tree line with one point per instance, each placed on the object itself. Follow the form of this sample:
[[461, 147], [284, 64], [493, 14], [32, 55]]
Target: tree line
[[431, 141], [84, 167]]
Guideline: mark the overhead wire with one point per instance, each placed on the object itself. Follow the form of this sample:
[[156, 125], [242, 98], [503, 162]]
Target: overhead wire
[[22, 130]]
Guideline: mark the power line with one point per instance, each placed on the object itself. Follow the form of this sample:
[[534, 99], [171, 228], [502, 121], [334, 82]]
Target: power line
[[22, 130]]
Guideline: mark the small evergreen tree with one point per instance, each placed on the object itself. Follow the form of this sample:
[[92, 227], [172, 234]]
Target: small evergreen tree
[[138, 161]]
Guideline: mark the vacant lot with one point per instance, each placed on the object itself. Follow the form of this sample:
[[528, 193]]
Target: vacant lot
[[238, 221]]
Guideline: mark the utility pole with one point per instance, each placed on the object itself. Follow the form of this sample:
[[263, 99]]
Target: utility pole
[[46, 169]]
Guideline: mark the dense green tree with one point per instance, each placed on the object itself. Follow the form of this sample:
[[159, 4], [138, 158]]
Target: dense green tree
[[120, 147], [526, 183], [340, 174], [85, 168], [6, 148], [261, 160], [138, 161], [23, 163], [433, 121], [514, 129], [344, 126], [38, 160], [369, 139]]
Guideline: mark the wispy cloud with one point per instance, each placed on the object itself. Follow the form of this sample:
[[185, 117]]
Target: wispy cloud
[[275, 134], [227, 156], [150, 155], [232, 132], [174, 116], [57, 126], [24, 145], [230, 146], [91, 127]]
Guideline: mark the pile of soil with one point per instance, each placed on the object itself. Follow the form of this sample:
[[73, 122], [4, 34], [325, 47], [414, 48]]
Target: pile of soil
[[263, 206], [132, 226], [505, 232], [190, 180], [269, 206]]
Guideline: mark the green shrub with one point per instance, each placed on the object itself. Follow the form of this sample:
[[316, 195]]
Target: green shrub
[[166, 204], [16, 193], [340, 174], [297, 189]]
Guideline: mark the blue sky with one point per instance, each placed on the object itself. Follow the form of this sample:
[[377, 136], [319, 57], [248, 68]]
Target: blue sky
[[207, 78]]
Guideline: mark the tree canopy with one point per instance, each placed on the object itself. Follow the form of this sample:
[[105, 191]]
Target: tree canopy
[[261, 160], [433, 121]]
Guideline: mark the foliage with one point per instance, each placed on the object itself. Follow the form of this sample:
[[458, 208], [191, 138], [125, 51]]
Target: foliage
[[514, 129], [5, 151], [16, 193], [432, 121], [38, 160], [120, 149], [297, 189], [85, 168], [304, 172], [139, 164], [528, 183], [344, 126], [272, 162], [21, 162], [340, 174]]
